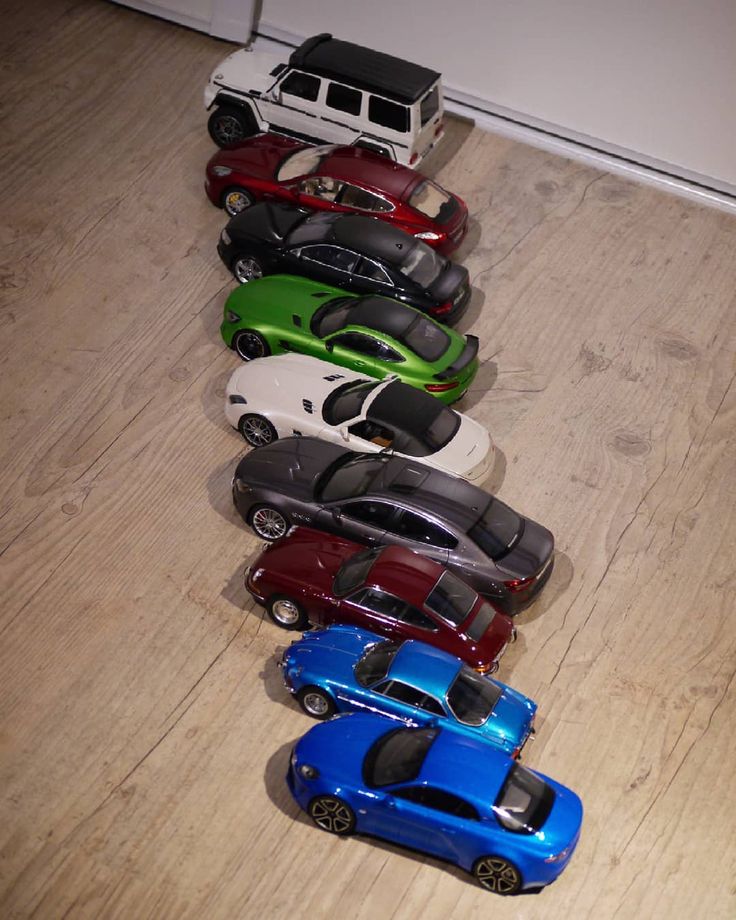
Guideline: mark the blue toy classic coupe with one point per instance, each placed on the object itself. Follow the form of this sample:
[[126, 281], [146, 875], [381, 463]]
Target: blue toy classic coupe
[[449, 795], [344, 669]]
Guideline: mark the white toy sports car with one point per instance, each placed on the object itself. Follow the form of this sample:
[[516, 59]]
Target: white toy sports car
[[292, 394]]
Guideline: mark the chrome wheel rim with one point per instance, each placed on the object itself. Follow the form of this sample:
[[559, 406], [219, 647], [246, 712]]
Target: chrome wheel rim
[[247, 269], [228, 129], [256, 430], [249, 345], [316, 704], [285, 612], [237, 201], [269, 523], [331, 815], [497, 875]]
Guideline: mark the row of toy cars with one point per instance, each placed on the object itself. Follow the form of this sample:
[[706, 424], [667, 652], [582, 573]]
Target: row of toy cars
[[407, 572]]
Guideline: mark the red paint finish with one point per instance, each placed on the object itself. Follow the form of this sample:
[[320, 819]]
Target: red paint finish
[[254, 165], [303, 565]]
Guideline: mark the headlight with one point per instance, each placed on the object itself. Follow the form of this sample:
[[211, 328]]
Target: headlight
[[427, 235], [231, 316], [308, 772], [221, 170], [225, 237]]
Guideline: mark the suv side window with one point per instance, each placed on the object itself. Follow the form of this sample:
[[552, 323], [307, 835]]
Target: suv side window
[[397, 690], [414, 527], [341, 259], [303, 85], [344, 99], [389, 114], [438, 800]]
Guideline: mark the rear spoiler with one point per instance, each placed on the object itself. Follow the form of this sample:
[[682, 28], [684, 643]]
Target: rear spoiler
[[468, 354]]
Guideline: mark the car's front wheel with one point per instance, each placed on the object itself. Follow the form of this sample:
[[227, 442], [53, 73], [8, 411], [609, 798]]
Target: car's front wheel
[[229, 124], [497, 874], [257, 430], [316, 702], [250, 344], [286, 613], [332, 814], [246, 268], [268, 522], [236, 199]]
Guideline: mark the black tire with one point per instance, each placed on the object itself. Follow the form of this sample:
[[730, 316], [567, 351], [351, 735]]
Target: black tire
[[230, 124], [316, 702], [498, 875], [236, 199], [286, 612], [257, 430], [332, 815], [245, 268], [268, 522], [250, 344]]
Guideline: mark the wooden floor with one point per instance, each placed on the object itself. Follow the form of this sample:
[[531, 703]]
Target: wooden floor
[[144, 731]]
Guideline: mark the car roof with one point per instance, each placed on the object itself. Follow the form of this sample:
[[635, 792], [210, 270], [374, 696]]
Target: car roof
[[373, 237], [382, 314], [425, 667], [364, 68], [399, 570], [469, 767], [369, 170]]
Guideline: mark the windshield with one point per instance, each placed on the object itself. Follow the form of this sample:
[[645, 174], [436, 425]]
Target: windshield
[[332, 316], [302, 162], [431, 200], [398, 756], [354, 571], [472, 697], [451, 598], [350, 479], [376, 661], [524, 802], [422, 265], [497, 530], [481, 621], [347, 401], [426, 339]]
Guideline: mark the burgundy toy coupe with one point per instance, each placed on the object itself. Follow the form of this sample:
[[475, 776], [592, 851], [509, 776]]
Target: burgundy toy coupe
[[313, 577], [330, 178]]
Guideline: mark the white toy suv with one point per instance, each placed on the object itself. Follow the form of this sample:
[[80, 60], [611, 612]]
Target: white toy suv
[[330, 91]]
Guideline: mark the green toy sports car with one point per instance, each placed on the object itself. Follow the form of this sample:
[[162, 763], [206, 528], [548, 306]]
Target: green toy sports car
[[373, 335]]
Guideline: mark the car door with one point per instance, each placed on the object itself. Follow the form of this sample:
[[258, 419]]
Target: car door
[[420, 533], [425, 818], [405, 703], [363, 520]]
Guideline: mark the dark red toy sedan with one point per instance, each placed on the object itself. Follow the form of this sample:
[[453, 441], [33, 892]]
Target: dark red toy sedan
[[271, 167], [309, 576]]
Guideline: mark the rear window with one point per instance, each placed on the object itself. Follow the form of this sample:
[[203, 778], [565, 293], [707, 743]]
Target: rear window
[[397, 757], [497, 530], [472, 697], [430, 105], [481, 621], [451, 598], [524, 802], [426, 339], [432, 201], [422, 265]]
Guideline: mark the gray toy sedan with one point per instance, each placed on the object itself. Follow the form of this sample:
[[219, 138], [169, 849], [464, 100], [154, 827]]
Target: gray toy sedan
[[382, 498]]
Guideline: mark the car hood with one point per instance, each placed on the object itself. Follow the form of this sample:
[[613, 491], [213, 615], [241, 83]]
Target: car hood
[[290, 466], [531, 554], [509, 723], [338, 747], [247, 70], [332, 653], [257, 157], [450, 281], [308, 557]]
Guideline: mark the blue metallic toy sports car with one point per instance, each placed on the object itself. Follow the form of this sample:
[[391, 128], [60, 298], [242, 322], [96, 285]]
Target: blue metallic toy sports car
[[454, 797], [345, 669]]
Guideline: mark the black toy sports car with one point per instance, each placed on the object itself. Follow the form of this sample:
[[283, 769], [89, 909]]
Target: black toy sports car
[[353, 252]]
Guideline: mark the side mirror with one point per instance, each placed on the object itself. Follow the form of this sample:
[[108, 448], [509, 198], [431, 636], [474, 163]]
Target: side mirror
[[345, 434], [336, 514], [329, 346]]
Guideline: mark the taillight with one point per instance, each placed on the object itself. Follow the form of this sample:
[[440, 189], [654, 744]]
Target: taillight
[[414, 157], [440, 387], [515, 753], [442, 309], [518, 584], [483, 668], [438, 130]]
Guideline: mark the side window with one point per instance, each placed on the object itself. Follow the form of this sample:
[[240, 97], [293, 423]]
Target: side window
[[367, 268], [397, 690], [354, 197], [389, 114], [374, 513], [438, 800], [344, 99], [379, 602], [340, 259], [413, 617], [323, 187], [365, 345], [303, 85], [414, 527]]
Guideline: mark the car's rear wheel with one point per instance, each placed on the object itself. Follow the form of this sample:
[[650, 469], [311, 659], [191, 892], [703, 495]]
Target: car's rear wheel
[[286, 613], [497, 874], [236, 199], [229, 124], [332, 815], [316, 702], [246, 268], [250, 344], [257, 430], [268, 522]]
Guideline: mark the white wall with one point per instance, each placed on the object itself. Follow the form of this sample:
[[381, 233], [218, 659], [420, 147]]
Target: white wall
[[652, 79]]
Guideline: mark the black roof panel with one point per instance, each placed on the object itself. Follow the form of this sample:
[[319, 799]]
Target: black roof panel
[[364, 68], [384, 315], [266, 221], [373, 237]]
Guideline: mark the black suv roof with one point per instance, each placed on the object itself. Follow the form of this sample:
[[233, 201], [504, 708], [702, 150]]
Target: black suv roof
[[364, 68]]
